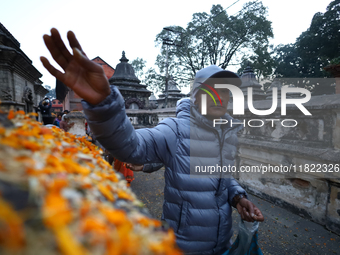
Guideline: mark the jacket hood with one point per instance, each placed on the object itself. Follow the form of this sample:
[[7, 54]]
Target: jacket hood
[[183, 108], [214, 72]]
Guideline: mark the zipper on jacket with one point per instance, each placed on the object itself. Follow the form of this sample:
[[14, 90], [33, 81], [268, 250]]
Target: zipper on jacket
[[221, 142], [220, 149]]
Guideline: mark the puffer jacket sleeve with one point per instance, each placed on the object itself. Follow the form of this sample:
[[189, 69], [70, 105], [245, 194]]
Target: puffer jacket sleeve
[[114, 131], [152, 167], [234, 189]]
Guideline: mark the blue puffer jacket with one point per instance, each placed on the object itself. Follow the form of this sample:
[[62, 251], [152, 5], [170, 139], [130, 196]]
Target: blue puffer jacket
[[198, 209]]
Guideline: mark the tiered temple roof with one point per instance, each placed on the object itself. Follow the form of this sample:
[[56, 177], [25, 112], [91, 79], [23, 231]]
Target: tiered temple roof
[[129, 85], [249, 80]]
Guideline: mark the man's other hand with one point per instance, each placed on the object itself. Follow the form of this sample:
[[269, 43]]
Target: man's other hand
[[134, 167], [248, 211], [85, 77]]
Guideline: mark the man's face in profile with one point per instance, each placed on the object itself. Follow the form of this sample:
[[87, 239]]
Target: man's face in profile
[[214, 111]]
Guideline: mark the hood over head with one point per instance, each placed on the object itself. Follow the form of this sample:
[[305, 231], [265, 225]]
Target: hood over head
[[211, 72], [183, 107]]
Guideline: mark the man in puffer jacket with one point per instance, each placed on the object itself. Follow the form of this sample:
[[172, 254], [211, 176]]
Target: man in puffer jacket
[[196, 206]]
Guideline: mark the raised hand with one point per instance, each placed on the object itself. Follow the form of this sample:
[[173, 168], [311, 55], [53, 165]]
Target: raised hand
[[84, 77]]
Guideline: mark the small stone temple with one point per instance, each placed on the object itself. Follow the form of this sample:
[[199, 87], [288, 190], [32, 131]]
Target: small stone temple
[[20, 84], [135, 94], [174, 94], [249, 81]]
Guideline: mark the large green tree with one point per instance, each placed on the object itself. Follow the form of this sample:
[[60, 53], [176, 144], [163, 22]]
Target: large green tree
[[313, 50], [138, 65], [51, 92], [214, 38], [261, 61]]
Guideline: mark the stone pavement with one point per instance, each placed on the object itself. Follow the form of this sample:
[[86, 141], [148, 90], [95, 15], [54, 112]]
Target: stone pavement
[[282, 232]]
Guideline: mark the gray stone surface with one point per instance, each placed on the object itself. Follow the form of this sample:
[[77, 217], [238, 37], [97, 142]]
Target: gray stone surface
[[78, 118], [281, 233]]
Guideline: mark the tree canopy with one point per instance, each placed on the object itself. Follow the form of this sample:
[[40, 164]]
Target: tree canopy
[[214, 38], [51, 92], [261, 62], [138, 65], [313, 50]]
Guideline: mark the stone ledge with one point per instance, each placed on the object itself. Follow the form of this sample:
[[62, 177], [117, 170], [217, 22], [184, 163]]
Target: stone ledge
[[316, 102], [326, 154], [76, 115]]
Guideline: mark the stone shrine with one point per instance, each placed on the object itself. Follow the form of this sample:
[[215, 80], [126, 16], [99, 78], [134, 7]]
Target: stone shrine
[[174, 94], [249, 80], [135, 94], [20, 84]]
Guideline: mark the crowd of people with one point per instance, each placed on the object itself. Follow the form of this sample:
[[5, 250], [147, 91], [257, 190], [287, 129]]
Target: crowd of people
[[62, 121]]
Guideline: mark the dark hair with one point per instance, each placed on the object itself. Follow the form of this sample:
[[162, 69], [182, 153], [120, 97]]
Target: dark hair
[[66, 111]]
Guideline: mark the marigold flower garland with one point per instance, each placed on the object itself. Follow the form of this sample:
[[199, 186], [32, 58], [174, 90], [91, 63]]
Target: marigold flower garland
[[75, 203]]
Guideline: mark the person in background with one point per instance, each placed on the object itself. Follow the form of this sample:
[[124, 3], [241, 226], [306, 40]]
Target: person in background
[[64, 125], [123, 169], [57, 120], [45, 109], [89, 133]]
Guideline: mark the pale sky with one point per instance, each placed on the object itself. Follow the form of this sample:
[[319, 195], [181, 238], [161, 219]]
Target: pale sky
[[106, 28]]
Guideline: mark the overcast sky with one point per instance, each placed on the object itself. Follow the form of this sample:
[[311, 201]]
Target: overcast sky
[[106, 28]]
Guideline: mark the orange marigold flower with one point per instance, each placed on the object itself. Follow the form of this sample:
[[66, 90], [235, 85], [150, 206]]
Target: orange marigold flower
[[11, 141], [73, 167], [55, 163], [106, 192], [33, 146], [56, 185], [2, 131], [93, 224], [20, 112], [48, 137], [97, 228], [45, 131], [12, 227], [71, 150], [67, 243], [86, 150], [85, 208], [147, 222], [115, 217], [2, 167], [27, 161], [90, 165], [32, 172], [56, 210], [10, 115], [123, 195]]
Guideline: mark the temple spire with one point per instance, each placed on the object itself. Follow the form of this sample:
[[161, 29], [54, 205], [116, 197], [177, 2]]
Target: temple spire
[[123, 59]]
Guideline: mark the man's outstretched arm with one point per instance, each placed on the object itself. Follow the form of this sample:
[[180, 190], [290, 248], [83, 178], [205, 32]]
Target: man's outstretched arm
[[114, 131], [104, 106]]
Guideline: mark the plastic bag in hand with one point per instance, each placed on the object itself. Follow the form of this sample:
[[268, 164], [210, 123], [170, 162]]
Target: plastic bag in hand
[[246, 241]]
